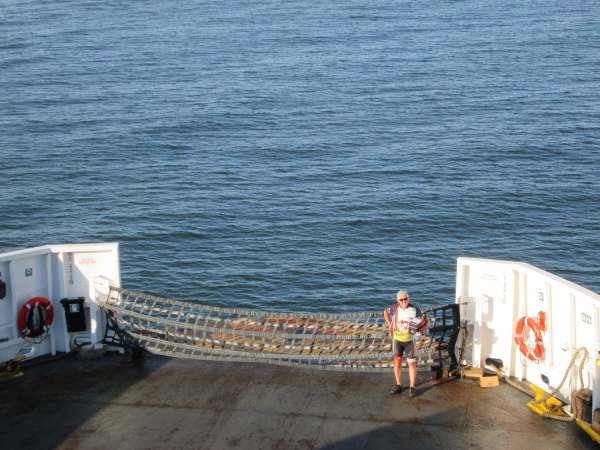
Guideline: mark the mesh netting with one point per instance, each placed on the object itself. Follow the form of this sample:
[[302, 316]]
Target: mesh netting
[[345, 341]]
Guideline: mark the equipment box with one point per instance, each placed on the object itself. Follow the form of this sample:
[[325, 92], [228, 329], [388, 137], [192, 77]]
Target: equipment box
[[75, 313]]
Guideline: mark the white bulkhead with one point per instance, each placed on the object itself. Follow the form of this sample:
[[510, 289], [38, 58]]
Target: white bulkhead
[[54, 272], [494, 295]]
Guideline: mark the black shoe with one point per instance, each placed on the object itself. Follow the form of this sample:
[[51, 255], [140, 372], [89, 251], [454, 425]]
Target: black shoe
[[411, 392], [397, 389]]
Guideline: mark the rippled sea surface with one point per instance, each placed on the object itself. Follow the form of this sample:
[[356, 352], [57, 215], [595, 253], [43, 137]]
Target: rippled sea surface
[[304, 155]]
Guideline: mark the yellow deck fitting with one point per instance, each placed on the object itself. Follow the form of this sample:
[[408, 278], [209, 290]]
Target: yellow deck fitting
[[544, 406], [588, 429], [10, 369]]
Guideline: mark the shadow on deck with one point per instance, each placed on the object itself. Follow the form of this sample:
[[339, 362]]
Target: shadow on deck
[[178, 404]]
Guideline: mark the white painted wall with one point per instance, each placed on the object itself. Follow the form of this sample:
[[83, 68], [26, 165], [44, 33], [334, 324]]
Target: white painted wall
[[54, 272], [493, 296]]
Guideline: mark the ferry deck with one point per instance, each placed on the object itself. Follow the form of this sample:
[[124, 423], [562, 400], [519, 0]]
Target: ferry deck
[[163, 403]]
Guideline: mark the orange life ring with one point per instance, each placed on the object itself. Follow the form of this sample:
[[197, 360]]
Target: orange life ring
[[534, 353], [35, 317]]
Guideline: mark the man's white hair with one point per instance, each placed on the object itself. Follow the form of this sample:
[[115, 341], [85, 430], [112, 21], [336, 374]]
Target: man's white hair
[[401, 292]]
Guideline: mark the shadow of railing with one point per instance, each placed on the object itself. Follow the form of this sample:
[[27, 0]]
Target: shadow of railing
[[53, 401]]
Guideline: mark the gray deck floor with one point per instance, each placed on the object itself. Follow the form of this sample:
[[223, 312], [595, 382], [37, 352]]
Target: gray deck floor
[[177, 404]]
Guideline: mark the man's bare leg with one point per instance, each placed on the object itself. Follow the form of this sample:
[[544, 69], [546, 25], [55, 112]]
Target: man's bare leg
[[398, 370], [412, 373]]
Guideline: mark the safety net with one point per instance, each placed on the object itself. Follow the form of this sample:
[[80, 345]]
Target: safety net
[[355, 341]]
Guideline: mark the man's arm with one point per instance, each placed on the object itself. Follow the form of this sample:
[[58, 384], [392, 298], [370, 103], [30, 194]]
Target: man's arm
[[386, 316]]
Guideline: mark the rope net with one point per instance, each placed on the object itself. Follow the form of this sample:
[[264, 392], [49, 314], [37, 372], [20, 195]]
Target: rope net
[[356, 341]]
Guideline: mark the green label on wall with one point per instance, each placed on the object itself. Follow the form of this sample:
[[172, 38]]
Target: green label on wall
[[586, 318], [541, 296]]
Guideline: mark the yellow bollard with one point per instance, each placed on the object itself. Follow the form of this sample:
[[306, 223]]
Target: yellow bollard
[[544, 405]]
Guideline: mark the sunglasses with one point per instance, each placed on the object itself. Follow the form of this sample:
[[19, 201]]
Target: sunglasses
[[403, 299]]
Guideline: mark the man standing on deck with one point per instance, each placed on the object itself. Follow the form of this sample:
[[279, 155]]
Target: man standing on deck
[[401, 319]]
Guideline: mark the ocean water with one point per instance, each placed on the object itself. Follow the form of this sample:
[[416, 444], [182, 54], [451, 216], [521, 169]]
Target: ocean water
[[304, 155]]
